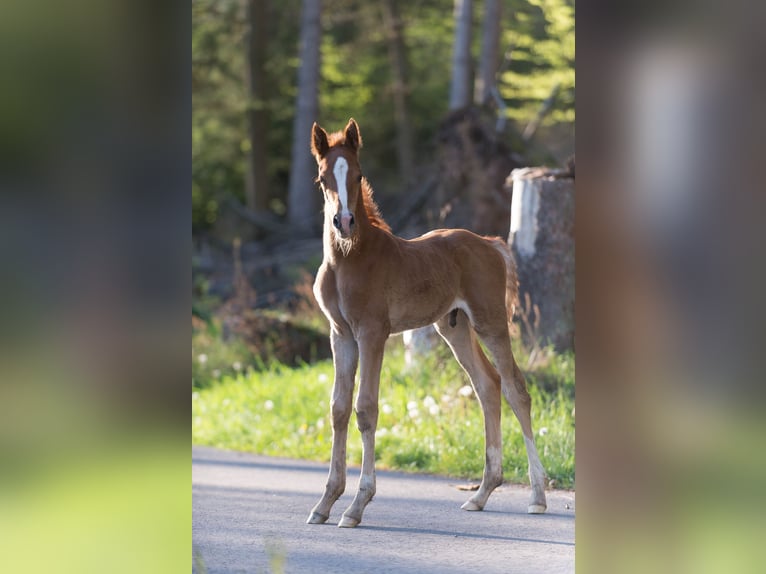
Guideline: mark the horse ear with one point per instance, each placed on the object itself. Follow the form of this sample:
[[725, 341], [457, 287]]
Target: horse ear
[[353, 135], [319, 145]]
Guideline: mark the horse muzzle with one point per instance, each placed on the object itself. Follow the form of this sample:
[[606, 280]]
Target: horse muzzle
[[344, 224]]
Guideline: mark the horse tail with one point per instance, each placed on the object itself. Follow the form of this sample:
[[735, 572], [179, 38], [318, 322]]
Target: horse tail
[[511, 277]]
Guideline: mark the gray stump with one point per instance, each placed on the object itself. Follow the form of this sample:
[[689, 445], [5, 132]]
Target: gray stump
[[542, 240]]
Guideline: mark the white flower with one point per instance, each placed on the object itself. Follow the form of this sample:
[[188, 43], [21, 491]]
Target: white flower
[[381, 432], [429, 401], [202, 358], [268, 405], [386, 408], [412, 405], [236, 365], [216, 373], [322, 378], [414, 413], [434, 410], [543, 431], [465, 391], [446, 398], [320, 424]]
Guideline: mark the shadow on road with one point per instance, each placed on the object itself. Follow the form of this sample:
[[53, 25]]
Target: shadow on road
[[451, 534]]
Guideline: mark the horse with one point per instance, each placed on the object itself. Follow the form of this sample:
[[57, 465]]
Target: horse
[[372, 284]]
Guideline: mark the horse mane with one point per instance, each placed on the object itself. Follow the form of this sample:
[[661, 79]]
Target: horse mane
[[372, 209]]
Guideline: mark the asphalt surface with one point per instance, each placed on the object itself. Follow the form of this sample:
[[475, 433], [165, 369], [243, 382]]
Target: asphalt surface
[[249, 515]]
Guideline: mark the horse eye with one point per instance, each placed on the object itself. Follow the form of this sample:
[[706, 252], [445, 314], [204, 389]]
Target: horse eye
[[359, 179]]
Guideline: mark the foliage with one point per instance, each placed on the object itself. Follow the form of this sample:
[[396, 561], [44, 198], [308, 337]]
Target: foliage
[[543, 41], [355, 81], [426, 423]]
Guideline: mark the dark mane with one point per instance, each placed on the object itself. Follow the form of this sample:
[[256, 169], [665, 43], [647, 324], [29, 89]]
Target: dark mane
[[373, 211]]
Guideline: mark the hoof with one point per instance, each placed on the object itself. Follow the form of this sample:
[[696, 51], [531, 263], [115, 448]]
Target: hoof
[[536, 509], [471, 505], [317, 518], [348, 522]]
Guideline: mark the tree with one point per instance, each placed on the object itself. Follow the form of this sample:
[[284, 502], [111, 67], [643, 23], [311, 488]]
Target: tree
[[490, 51], [256, 176], [460, 88], [302, 196], [398, 59]]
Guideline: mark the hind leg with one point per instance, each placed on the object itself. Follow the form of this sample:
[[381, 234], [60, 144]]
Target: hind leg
[[486, 382], [514, 388]]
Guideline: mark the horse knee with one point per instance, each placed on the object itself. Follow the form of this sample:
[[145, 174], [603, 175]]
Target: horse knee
[[341, 413], [366, 417]]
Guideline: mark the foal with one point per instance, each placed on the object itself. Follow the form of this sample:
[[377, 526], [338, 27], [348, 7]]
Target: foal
[[372, 284]]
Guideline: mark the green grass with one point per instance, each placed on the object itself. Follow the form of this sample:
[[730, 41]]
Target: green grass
[[425, 423]]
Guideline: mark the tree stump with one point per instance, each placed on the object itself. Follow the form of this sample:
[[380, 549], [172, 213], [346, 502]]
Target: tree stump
[[542, 241]]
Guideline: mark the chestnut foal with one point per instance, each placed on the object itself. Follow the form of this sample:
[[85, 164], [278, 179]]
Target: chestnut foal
[[372, 284]]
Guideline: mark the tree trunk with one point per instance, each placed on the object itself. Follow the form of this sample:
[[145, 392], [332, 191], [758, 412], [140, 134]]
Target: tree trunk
[[398, 57], [302, 196], [257, 186], [460, 88], [490, 51], [542, 240]]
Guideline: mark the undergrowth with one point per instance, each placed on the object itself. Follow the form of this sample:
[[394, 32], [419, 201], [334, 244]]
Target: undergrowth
[[430, 420]]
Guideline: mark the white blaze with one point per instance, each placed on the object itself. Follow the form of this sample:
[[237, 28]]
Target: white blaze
[[339, 171]]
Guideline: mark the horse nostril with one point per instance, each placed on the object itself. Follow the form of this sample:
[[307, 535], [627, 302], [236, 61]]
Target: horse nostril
[[336, 221], [351, 221]]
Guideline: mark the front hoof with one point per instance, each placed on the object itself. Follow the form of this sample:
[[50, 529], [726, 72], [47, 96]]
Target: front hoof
[[471, 505], [348, 522], [317, 518], [536, 509]]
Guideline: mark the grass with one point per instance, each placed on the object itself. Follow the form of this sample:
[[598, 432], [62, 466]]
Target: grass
[[426, 423]]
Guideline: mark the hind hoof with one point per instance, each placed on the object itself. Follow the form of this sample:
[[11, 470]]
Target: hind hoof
[[348, 522], [471, 505], [536, 509], [317, 518]]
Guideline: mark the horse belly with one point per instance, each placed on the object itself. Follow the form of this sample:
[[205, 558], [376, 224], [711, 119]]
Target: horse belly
[[414, 315]]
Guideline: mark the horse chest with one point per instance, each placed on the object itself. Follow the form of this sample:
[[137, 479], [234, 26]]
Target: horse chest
[[345, 298]]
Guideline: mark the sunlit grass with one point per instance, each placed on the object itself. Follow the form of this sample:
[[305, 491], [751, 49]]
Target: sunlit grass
[[426, 423]]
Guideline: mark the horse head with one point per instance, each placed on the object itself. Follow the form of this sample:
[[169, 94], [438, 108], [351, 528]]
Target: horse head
[[340, 174]]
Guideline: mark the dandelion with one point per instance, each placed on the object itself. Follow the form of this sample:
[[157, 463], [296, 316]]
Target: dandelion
[[202, 358], [543, 431], [320, 424], [322, 378], [429, 402], [386, 408], [268, 405], [465, 391], [434, 410], [414, 413], [302, 429], [446, 399], [216, 373], [412, 405], [236, 365]]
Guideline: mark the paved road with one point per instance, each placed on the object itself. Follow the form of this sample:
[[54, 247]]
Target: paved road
[[247, 508]]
